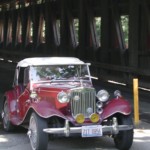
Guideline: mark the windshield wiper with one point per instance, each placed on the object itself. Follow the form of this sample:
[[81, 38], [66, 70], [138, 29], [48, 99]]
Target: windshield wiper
[[58, 80], [96, 78]]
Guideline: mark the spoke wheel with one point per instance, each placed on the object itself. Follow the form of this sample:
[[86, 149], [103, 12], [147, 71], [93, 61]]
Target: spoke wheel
[[123, 140], [7, 125], [38, 138]]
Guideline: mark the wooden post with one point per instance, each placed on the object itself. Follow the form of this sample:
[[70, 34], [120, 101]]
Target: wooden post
[[136, 101]]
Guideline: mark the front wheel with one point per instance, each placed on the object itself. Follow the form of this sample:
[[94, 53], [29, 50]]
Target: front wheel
[[123, 140], [38, 138], [7, 125]]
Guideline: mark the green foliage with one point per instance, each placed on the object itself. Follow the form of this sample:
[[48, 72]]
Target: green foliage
[[98, 28], [125, 27], [76, 26], [124, 23]]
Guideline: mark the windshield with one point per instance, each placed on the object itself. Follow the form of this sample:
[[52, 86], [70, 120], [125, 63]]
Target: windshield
[[59, 72]]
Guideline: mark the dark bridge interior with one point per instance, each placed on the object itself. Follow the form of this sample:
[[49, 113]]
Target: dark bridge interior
[[114, 35]]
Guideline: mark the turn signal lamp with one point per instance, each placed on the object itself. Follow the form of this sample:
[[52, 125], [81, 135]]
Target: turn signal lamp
[[33, 95], [94, 118], [80, 118]]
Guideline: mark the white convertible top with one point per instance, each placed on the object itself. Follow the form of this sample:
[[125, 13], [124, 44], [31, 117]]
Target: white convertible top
[[38, 61]]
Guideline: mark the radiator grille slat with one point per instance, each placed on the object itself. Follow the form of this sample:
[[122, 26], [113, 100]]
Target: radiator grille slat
[[82, 99]]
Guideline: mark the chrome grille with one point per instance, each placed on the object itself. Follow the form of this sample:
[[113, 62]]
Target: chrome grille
[[83, 101]]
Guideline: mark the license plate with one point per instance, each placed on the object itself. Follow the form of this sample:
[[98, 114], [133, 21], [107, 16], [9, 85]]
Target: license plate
[[92, 131]]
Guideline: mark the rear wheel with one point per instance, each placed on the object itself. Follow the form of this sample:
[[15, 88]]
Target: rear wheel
[[123, 140], [7, 125], [38, 138]]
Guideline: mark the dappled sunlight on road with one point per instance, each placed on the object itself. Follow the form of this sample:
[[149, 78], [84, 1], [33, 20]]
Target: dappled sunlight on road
[[3, 139], [142, 135], [10, 141]]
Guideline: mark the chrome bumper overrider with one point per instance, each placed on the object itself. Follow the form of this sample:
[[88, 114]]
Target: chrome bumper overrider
[[67, 130]]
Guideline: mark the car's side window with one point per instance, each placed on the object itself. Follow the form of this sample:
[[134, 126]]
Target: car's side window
[[26, 76], [15, 78], [18, 80], [21, 75]]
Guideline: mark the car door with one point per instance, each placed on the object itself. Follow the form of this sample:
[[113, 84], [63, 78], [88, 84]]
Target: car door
[[23, 103], [24, 97]]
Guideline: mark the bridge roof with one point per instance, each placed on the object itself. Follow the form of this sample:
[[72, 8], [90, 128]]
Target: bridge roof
[[38, 61]]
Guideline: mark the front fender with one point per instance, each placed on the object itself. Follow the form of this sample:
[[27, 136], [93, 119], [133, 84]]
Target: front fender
[[116, 106], [11, 99], [46, 110], [10, 95]]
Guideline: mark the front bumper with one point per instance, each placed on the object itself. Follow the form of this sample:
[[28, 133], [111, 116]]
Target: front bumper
[[67, 130]]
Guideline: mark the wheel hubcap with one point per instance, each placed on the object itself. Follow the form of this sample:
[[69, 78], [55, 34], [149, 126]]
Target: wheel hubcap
[[5, 114], [32, 133]]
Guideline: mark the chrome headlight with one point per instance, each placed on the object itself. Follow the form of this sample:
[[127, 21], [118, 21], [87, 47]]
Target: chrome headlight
[[103, 95], [63, 97]]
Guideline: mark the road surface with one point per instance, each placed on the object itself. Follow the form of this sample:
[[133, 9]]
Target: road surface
[[19, 141]]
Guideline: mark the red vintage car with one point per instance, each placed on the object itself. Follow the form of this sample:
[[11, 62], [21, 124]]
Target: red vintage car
[[55, 95]]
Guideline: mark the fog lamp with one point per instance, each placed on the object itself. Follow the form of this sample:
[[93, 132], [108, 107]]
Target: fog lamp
[[94, 118], [79, 118]]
